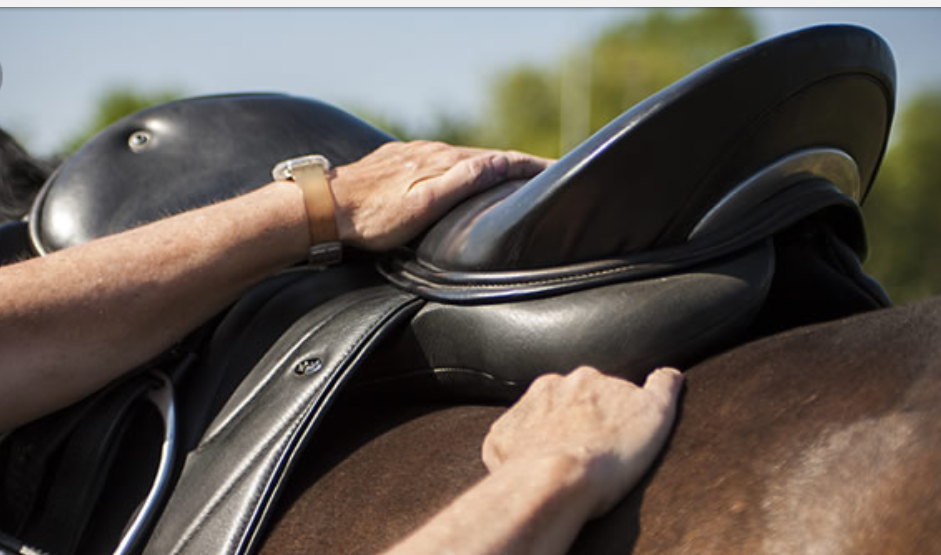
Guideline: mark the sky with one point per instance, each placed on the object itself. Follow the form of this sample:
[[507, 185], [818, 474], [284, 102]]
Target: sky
[[410, 64]]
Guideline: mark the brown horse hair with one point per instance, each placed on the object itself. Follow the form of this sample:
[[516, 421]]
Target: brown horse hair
[[823, 439]]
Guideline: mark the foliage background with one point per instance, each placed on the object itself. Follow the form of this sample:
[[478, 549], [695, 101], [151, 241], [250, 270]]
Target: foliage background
[[549, 109]]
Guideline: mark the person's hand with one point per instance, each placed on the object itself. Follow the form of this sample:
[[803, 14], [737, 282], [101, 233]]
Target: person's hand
[[611, 427], [390, 196]]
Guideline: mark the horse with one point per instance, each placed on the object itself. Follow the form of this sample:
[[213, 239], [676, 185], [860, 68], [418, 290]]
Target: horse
[[822, 439], [338, 409]]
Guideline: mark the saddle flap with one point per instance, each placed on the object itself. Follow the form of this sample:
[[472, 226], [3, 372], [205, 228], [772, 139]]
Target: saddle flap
[[230, 481]]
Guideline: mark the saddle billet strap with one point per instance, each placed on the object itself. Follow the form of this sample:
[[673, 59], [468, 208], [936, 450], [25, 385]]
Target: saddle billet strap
[[231, 480]]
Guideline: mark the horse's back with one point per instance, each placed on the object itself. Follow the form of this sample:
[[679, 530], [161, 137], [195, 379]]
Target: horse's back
[[377, 473], [821, 440]]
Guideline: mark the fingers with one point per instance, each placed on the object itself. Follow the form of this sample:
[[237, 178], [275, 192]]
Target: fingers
[[389, 196], [482, 172], [589, 414], [462, 180], [508, 165], [525, 166]]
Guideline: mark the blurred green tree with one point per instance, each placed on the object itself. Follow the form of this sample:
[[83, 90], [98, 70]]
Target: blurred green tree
[[902, 213], [114, 104], [549, 110], [444, 127], [392, 125], [453, 129]]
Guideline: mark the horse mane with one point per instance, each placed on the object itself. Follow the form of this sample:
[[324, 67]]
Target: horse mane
[[21, 176]]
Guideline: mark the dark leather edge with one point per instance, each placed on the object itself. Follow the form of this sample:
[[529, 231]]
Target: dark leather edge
[[408, 272], [223, 511]]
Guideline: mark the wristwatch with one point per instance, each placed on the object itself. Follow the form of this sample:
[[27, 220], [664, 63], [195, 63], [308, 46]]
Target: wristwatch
[[311, 173]]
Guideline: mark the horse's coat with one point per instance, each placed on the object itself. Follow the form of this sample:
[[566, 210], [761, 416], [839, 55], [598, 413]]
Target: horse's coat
[[826, 439]]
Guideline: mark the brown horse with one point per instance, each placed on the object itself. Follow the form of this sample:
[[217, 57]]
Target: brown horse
[[825, 439]]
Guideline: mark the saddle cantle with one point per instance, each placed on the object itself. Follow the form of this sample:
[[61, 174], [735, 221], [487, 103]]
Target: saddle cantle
[[186, 154], [722, 208]]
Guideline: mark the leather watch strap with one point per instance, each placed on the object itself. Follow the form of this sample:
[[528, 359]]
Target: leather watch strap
[[318, 198], [310, 173]]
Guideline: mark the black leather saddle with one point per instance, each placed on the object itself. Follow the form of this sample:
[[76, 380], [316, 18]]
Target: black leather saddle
[[723, 208]]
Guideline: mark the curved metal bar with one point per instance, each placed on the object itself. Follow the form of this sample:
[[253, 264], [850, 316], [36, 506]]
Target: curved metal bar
[[829, 164], [32, 218], [163, 400]]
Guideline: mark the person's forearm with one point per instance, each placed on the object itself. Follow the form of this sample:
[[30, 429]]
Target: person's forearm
[[73, 321], [140, 291], [535, 508]]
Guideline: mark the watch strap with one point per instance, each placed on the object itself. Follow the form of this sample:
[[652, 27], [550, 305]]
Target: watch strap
[[318, 198], [310, 173]]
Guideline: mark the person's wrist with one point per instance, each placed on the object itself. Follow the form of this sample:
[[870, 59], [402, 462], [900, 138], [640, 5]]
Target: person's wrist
[[296, 213], [570, 478], [346, 231], [312, 174]]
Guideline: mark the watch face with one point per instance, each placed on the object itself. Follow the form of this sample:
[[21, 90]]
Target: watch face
[[285, 170]]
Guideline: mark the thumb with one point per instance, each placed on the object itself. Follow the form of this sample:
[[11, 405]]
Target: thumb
[[664, 384]]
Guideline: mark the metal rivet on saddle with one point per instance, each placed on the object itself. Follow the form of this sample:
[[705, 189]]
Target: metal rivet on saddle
[[308, 366], [139, 140]]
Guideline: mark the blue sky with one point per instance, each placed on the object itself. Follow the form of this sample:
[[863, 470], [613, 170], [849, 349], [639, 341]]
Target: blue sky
[[409, 63]]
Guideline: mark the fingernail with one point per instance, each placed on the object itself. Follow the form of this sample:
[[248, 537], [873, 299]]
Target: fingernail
[[500, 165]]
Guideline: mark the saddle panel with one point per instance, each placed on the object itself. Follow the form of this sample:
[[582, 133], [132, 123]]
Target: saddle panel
[[496, 349], [818, 278]]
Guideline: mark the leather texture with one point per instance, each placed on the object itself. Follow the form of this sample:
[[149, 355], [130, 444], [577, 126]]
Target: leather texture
[[198, 151], [643, 181], [230, 481], [625, 328], [765, 217]]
